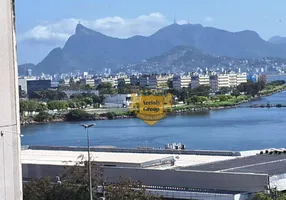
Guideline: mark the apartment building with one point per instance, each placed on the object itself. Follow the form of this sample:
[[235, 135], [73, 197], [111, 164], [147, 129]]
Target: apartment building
[[232, 79], [180, 82], [144, 81], [123, 81], [218, 81], [86, 81], [112, 80], [134, 80], [198, 80], [153, 82], [241, 78], [162, 80]]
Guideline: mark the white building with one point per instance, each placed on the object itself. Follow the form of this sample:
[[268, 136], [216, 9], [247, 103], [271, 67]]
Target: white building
[[112, 80], [10, 140], [22, 82], [241, 78], [86, 81], [72, 92], [218, 81], [180, 82], [117, 100], [162, 80], [198, 80]]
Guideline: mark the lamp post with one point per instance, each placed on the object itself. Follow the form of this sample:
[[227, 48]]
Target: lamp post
[[87, 126]]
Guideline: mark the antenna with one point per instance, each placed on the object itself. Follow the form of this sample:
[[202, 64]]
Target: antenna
[[175, 21]]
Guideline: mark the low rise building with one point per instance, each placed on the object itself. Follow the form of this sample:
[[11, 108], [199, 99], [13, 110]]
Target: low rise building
[[153, 82], [86, 81], [198, 80], [162, 80], [37, 85], [112, 80], [117, 100], [241, 78], [69, 93], [180, 82], [144, 81], [134, 80], [218, 81]]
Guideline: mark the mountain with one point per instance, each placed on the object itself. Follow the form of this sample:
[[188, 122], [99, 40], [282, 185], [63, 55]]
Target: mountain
[[182, 59], [176, 60], [277, 40], [23, 68], [88, 49]]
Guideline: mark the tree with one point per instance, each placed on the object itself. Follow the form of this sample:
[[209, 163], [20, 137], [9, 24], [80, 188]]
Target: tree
[[261, 196], [197, 99], [29, 106], [42, 117], [224, 90], [74, 185], [124, 190], [58, 105], [42, 107], [235, 93], [77, 115], [48, 95], [106, 88], [22, 94], [98, 99], [170, 83], [202, 90], [88, 100], [124, 88]]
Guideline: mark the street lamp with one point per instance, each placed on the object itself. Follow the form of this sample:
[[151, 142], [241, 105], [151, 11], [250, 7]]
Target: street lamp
[[87, 126]]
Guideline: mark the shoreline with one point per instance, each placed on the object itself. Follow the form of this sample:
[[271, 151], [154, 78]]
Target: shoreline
[[178, 111]]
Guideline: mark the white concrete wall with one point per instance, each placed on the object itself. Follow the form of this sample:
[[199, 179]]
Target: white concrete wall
[[10, 166]]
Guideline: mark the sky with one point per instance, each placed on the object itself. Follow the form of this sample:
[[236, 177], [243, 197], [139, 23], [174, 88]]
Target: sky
[[47, 24]]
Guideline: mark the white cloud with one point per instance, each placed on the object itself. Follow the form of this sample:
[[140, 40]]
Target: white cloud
[[208, 19], [112, 26], [181, 22]]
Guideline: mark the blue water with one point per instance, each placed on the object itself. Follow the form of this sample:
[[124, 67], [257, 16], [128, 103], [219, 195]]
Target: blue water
[[230, 129]]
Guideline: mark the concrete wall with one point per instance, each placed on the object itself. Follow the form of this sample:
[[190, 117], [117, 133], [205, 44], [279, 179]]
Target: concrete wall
[[191, 179], [168, 178], [121, 150], [10, 167]]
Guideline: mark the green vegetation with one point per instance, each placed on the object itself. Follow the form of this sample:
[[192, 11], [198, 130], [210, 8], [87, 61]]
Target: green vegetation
[[42, 117], [274, 195], [32, 105], [78, 115], [48, 95], [74, 185], [198, 98], [106, 88]]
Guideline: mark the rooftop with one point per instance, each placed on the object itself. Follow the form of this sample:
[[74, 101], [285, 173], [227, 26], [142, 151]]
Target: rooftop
[[270, 164], [61, 157]]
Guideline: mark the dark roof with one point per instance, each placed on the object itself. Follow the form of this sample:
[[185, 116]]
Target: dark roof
[[260, 164]]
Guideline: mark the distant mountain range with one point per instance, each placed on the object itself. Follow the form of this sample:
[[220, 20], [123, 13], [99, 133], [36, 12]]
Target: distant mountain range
[[88, 49], [190, 59], [277, 40]]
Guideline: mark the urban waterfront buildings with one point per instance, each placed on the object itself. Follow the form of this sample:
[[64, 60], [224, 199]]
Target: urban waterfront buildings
[[10, 143], [148, 81]]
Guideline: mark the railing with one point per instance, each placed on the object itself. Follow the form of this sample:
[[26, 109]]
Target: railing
[[129, 150]]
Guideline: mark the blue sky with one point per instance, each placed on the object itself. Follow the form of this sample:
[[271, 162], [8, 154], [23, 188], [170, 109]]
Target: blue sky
[[46, 24]]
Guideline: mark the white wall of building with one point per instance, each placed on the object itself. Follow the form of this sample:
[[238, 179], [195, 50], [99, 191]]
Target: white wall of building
[[10, 147]]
